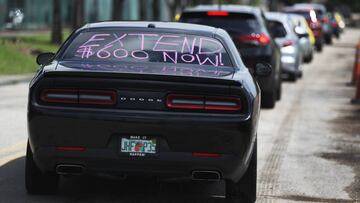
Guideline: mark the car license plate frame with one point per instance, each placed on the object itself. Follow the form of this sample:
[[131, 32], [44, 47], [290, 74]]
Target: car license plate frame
[[139, 146]]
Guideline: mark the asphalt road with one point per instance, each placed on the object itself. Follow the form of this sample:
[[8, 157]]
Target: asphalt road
[[309, 145]]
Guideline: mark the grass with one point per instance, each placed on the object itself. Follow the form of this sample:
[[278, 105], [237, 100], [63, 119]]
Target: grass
[[18, 54]]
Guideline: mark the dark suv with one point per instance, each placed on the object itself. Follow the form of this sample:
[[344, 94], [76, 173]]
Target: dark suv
[[248, 28]]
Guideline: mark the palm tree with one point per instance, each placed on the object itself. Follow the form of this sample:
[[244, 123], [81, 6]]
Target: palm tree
[[117, 9], [56, 32], [78, 13]]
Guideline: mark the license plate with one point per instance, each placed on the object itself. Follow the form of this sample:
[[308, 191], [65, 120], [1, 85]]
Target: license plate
[[138, 145]]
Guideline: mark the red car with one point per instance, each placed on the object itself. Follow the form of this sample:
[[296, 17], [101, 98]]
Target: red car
[[314, 22]]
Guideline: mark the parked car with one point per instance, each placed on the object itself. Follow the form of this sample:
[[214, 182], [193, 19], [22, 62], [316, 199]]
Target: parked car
[[321, 12], [314, 22], [337, 23], [282, 30], [248, 28], [170, 100], [306, 37]]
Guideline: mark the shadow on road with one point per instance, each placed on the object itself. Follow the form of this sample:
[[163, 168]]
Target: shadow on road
[[96, 189]]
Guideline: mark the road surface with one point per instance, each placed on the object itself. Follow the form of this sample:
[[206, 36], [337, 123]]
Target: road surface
[[309, 145]]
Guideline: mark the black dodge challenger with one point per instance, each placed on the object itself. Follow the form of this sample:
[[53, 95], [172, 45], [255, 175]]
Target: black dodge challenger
[[169, 100]]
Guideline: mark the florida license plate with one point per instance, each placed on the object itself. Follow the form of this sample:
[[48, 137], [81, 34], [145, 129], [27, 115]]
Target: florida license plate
[[138, 146]]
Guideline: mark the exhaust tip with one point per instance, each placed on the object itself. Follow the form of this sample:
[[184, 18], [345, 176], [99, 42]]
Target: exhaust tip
[[69, 169], [206, 175]]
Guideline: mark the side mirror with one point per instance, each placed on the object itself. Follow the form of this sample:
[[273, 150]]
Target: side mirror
[[301, 32], [262, 70], [44, 58]]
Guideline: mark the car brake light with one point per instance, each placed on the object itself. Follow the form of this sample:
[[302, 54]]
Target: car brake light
[[75, 96], [217, 13], [70, 148], [59, 96], [206, 154], [175, 101], [101, 97], [185, 102], [256, 39], [326, 19], [287, 43]]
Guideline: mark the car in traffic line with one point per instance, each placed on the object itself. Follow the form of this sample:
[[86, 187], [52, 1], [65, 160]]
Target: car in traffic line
[[314, 22], [306, 37], [170, 100], [248, 28], [282, 30]]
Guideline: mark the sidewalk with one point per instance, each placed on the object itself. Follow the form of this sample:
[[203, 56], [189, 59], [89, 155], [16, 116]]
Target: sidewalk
[[14, 79]]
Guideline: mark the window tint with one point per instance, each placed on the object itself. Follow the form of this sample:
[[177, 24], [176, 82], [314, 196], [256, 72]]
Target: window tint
[[233, 22], [141, 47], [276, 29]]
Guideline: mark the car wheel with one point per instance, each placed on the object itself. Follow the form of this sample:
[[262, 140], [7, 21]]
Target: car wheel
[[268, 99], [328, 39], [308, 59], [292, 77], [279, 90], [245, 189], [319, 47], [36, 181]]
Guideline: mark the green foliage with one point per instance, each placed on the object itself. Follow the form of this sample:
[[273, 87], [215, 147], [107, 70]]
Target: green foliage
[[17, 54]]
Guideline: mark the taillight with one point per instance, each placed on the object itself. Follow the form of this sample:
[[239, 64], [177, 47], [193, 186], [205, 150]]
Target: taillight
[[175, 101], [326, 19], [76, 96], [256, 39], [287, 43], [217, 13], [60, 96]]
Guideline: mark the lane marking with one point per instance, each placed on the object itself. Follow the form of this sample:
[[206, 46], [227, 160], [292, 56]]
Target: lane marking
[[12, 152]]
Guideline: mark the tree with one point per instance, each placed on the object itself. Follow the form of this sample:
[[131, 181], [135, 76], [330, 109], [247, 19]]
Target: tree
[[156, 10], [56, 32], [117, 9], [78, 14]]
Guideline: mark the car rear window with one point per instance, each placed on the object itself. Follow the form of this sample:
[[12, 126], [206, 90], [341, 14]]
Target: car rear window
[[241, 23], [142, 47], [276, 28]]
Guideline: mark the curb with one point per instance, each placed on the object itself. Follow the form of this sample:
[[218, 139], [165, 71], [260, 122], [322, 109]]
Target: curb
[[15, 79]]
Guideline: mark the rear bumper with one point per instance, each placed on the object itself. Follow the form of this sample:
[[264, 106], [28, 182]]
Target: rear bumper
[[178, 137]]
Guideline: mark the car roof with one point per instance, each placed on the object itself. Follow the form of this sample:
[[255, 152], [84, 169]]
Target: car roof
[[146, 24], [224, 7], [281, 17]]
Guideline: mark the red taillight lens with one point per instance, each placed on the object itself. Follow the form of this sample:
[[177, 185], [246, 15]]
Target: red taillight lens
[[101, 97], [222, 103], [70, 148], [75, 96], [217, 13], [175, 101], [60, 96], [204, 154], [256, 39], [287, 43], [185, 101], [326, 19]]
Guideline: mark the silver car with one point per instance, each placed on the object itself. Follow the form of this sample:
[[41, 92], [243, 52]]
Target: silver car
[[281, 29], [300, 27]]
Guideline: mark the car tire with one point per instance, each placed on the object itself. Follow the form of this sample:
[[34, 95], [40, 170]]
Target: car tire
[[279, 90], [268, 99], [309, 58], [328, 39], [37, 182], [319, 47], [292, 77], [245, 189]]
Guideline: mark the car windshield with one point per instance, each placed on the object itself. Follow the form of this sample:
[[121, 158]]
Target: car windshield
[[242, 23], [143, 47]]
